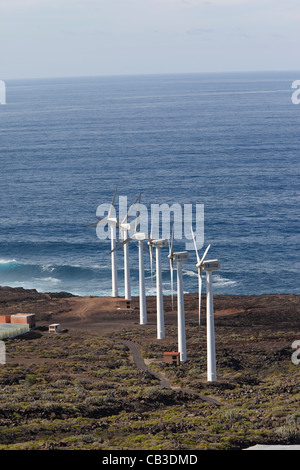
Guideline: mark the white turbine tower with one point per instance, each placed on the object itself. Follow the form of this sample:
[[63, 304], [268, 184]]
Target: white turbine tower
[[171, 257], [125, 227], [158, 244], [209, 266], [140, 237], [142, 289], [179, 257], [199, 265], [2, 92], [112, 222]]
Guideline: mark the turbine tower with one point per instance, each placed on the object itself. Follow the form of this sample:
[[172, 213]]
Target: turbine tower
[[171, 257], [142, 290], [140, 237], [199, 265], [180, 257], [209, 267], [124, 228], [158, 244], [112, 222]]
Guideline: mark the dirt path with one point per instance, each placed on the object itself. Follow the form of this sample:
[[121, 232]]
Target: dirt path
[[164, 382]]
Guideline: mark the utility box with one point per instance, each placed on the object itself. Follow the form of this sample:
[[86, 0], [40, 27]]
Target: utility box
[[27, 318], [172, 358], [125, 304], [54, 328]]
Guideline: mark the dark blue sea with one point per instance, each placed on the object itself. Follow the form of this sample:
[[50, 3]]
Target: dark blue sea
[[228, 141]]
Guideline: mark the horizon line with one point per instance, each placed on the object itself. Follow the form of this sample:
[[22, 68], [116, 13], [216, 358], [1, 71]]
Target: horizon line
[[228, 72]]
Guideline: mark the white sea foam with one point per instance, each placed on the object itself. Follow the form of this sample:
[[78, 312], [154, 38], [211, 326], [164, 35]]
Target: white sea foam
[[189, 273], [47, 267], [52, 280], [220, 281]]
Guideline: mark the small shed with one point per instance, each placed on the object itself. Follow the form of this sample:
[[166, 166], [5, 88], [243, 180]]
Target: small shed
[[172, 358], [54, 328]]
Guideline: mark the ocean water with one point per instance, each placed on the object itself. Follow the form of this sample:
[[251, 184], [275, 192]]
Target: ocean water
[[227, 141]]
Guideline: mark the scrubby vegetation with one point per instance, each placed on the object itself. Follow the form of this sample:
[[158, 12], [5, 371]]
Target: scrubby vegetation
[[79, 391]]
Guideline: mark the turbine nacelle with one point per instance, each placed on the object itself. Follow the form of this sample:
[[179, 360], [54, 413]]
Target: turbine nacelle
[[127, 226], [211, 265], [180, 256], [140, 236], [161, 243], [112, 220]]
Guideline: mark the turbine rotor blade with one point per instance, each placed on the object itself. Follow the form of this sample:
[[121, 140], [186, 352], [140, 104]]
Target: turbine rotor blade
[[121, 244], [198, 259], [171, 264], [205, 253], [146, 249], [171, 272], [100, 221], [114, 196], [171, 246], [172, 240], [200, 292], [151, 261], [113, 202], [138, 221], [137, 201], [92, 225]]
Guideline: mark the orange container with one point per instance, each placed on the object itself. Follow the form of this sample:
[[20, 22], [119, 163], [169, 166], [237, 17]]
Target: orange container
[[4, 318], [27, 318]]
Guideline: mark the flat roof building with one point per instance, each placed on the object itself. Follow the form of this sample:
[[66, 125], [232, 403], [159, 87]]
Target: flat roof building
[[8, 330], [27, 318]]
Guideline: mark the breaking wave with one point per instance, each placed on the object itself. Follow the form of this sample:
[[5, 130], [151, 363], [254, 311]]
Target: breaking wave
[[53, 277]]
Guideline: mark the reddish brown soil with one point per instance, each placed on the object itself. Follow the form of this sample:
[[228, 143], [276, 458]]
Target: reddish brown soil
[[102, 315]]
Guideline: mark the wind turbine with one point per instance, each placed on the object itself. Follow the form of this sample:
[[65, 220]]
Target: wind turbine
[[112, 222], [142, 290], [124, 228], [140, 237], [158, 244], [199, 265], [171, 257], [209, 266], [180, 257]]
